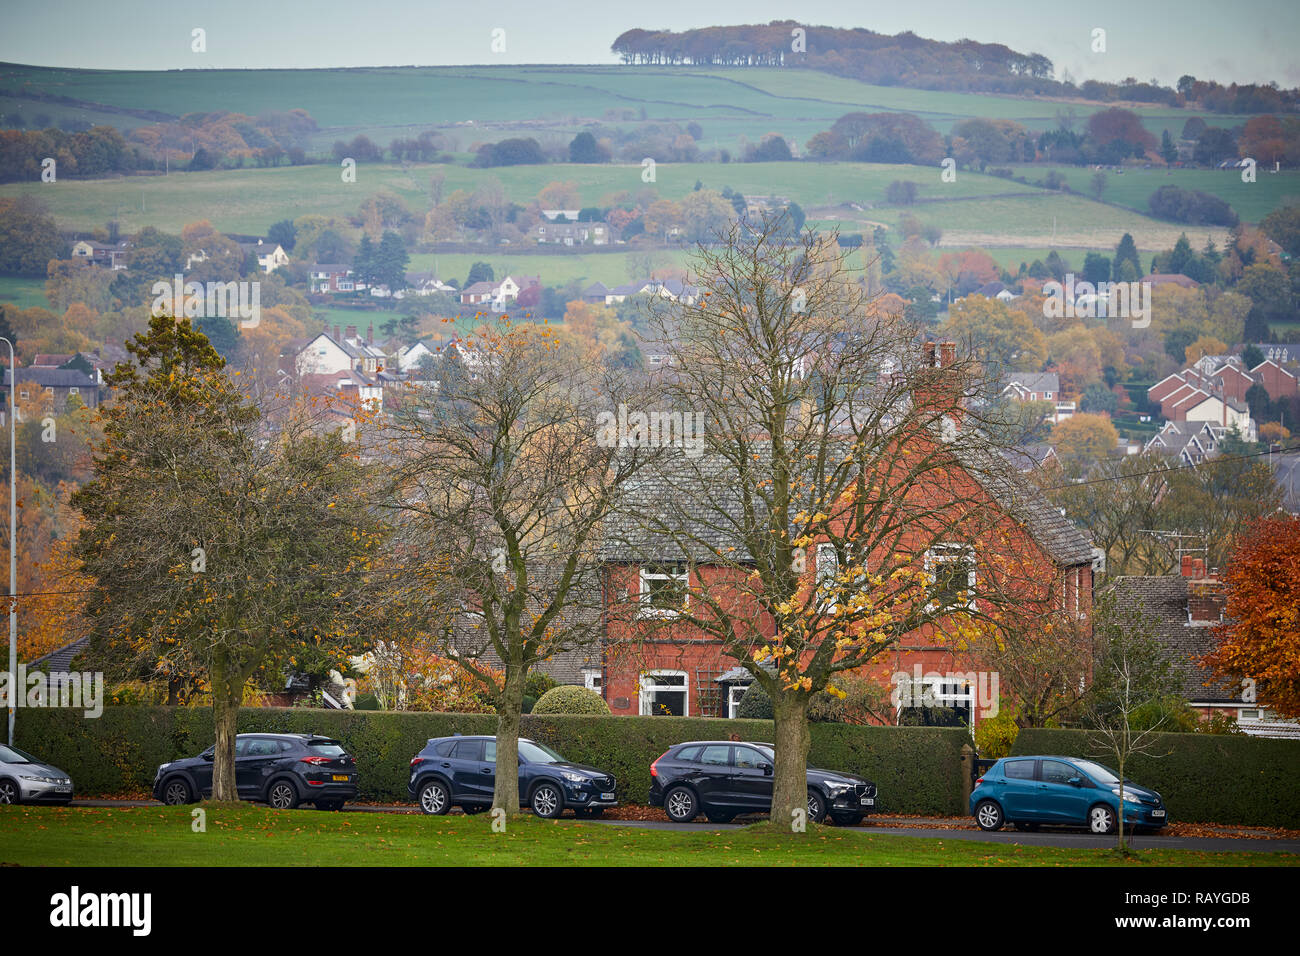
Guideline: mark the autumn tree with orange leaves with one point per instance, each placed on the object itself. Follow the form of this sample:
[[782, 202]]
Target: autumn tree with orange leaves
[[1260, 637]]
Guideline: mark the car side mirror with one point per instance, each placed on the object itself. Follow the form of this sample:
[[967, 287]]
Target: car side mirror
[[766, 768], [211, 756], [1075, 781]]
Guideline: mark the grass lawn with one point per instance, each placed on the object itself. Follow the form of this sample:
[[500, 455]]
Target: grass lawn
[[258, 836], [23, 293]]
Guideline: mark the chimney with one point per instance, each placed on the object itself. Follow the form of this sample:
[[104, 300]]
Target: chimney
[[927, 354], [1192, 567], [350, 332], [939, 390], [338, 333], [370, 334], [1206, 599], [947, 354]]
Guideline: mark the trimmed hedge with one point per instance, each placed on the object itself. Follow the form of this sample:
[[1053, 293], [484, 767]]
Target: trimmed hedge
[[917, 769], [1204, 778]]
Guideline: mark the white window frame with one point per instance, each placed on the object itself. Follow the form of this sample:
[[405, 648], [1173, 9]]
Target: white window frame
[[829, 603], [950, 552], [649, 686], [734, 694], [591, 679], [660, 572]]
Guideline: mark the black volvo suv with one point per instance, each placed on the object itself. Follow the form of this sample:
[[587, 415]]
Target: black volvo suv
[[461, 771], [283, 770], [725, 778]]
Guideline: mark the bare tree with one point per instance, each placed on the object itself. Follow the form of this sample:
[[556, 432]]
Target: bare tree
[[838, 491], [500, 487]]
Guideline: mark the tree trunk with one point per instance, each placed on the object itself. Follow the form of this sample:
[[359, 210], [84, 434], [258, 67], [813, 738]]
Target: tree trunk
[[225, 708], [790, 776], [505, 794]]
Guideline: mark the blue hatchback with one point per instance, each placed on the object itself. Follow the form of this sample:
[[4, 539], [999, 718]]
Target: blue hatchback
[[1065, 791]]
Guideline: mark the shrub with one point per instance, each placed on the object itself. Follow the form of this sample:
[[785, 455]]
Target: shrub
[[995, 736], [755, 704], [569, 699], [1191, 206]]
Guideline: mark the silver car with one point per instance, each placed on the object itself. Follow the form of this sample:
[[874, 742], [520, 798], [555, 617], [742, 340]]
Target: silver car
[[24, 779]]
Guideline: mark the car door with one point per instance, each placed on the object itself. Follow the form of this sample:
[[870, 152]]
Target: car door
[[751, 778], [1020, 790], [254, 766], [1062, 801], [711, 776], [468, 771], [202, 771]]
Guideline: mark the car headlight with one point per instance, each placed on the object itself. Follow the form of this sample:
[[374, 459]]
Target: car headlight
[[40, 779], [1129, 796], [573, 777], [834, 788]]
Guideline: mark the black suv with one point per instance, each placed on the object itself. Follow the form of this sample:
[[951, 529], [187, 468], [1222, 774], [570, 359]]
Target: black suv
[[726, 778], [462, 771], [283, 770]]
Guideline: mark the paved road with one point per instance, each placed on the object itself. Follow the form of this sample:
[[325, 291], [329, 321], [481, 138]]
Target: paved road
[[1068, 839]]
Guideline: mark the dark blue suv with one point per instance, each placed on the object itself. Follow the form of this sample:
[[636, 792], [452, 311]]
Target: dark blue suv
[[461, 771], [283, 770], [1066, 791]]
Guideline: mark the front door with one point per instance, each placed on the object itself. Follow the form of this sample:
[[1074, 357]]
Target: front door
[[1062, 801]]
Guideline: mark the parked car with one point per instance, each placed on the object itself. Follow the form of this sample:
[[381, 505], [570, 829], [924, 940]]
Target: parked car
[[24, 779], [283, 770], [1066, 791], [724, 779], [461, 771]]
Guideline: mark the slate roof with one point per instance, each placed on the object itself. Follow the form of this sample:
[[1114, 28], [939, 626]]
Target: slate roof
[[1163, 599], [53, 377], [659, 491], [59, 661]]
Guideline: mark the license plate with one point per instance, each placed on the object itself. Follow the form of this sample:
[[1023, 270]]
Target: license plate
[[607, 796], [1157, 813], [868, 801], [341, 777], [62, 789]]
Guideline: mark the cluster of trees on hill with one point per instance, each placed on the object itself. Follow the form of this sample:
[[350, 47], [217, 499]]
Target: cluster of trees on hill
[[94, 152], [221, 137], [910, 60]]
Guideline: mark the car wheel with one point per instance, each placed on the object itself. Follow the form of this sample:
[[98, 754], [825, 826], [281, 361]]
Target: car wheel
[[8, 792], [329, 805], [680, 805], [176, 793], [1101, 819], [988, 815], [847, 819], [816, 807], [719, 816], [282, 795], [547, 801], [434, 798]]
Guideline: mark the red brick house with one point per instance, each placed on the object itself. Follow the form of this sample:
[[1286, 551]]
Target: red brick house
[[654, 666]]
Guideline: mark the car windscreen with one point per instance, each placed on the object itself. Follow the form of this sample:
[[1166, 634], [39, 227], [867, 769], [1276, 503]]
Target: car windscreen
[[538, 753], [326, 748], [14, 755], [1103, 776]]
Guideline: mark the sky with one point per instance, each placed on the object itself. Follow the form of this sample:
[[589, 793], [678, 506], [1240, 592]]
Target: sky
[[1210, 39]]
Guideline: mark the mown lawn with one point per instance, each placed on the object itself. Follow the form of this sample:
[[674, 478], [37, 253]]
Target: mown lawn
[[257, 836]]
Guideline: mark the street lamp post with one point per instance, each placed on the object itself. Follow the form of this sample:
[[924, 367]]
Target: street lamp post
[[13, 542]]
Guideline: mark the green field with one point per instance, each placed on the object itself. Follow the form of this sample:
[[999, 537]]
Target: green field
[[1252, 201], [257, 836], [386, 102], [23, 293]]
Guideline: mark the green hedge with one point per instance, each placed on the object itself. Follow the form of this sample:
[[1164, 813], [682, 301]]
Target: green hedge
[[917, 769], [1204, 778]]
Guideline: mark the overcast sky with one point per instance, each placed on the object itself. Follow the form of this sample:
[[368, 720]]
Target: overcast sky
[[1212, 39]]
